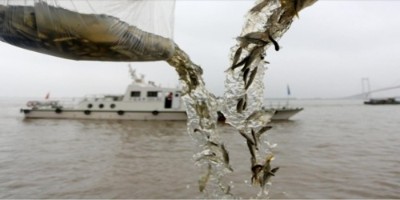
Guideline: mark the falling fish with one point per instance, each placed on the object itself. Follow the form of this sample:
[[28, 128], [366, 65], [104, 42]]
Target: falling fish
[[254, 54], [255, 139], [202, 109], [248, 139], [241, 105], [245, 73], [263, 130], [257, 38], [276, 45], [225, 155], [255, 115], [256, 169], [250, 145], [236, 56], [204, 179], [268, 172], [252, 76]]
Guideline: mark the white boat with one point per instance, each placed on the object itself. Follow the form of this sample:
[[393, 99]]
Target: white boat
[[141, 101], [283, 113]]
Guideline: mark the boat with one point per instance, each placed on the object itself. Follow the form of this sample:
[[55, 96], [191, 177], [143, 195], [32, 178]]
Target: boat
[[278, 114], [142, 101], [382, 101], [283, 113]]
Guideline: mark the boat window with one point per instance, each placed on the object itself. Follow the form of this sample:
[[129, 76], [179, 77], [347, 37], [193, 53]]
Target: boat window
[[89, 105], [152, 94], [101, 105], [135, 93], [112, 106]]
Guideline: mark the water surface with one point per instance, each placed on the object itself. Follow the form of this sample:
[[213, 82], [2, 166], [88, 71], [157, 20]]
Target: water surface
[[332, 149]]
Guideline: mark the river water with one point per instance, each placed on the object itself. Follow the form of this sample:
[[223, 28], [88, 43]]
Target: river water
[[333, 149]]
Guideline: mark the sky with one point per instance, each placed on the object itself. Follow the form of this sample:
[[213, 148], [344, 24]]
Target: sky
[[325, 54]]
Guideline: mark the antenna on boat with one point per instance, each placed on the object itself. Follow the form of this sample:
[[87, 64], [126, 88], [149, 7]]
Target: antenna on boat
[[132, 72], [288, 95], [134, 76]]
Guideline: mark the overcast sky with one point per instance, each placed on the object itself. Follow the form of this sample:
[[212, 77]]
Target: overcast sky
[[325, 54]]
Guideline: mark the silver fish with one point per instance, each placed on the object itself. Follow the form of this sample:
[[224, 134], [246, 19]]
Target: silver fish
[[225, 155], [241, 105], [254, 54], [242, 62], [255, 139], [255, 115], [256, 170], [276, 45], [202, 109], [248, 139], [267, 170], [250, 145], [245, 73], [204, 179], [257, 38], [236, 56], [251, 79]]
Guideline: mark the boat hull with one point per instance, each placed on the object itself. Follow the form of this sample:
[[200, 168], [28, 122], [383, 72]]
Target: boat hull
[[107, 115], [387, 101], [285, 114]]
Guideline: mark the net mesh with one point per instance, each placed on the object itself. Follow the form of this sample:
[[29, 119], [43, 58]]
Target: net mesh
[[118, 30]]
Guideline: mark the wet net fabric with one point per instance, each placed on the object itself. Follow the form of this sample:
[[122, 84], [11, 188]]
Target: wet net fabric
[[117, 30]]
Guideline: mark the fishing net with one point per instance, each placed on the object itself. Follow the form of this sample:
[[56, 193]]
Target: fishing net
[[117, 30]]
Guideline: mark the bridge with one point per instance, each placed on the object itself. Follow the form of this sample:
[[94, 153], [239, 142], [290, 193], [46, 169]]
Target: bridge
[[366, 90]]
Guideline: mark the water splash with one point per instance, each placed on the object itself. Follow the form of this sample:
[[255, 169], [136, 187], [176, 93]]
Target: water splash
[[242, 103]]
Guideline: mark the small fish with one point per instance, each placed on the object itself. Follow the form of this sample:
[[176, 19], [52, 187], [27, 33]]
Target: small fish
[[245, 73], [255, 139], [209, 156], [264, 129], [228, 190], [236, 56], [274, 170], [248, 40], [276, 45], [259, 6], [251, 79], [211, 143], [250, 145], [267, 170], [242, 62], [225, 155], [256, 169], [240, 104], [202, 109], [257, 38], [255, 115], [204, 179], [253, 161], [248, 139], [254, 54]]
